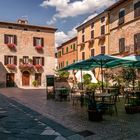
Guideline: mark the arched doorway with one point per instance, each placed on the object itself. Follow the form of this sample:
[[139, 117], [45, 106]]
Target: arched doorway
[[25, 78]]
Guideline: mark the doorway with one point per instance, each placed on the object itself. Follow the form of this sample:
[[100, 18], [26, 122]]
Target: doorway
[[10, 80], [25, 78]]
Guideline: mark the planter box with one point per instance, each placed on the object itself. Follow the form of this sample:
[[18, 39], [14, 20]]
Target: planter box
[[132, 109], [94, 115]]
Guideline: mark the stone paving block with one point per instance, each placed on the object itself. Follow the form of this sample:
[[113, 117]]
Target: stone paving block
[[48, 132], [60, 138], [76, 137]]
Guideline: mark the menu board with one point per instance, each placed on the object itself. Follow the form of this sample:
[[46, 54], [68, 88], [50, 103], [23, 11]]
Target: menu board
[[50, 80]]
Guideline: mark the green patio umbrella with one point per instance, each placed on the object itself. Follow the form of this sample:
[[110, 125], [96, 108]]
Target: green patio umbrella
[[101, 61], [80, 65], [132, 61]]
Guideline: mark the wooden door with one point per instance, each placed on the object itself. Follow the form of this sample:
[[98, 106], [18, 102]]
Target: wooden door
[[25, 78], [38, 78], [10, 80]]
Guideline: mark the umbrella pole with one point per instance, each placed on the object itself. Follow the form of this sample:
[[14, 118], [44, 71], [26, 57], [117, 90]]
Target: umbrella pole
[[82, 79], [102, 76]]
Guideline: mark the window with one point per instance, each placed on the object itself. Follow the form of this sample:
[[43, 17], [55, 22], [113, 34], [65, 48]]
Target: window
[[83, 38], [102, 19], [137, 42], [137, 9], [38, 41], [74, 47], [67, 50], [10, 39], [71, 46], [121, 17], [92, 25], [83, 55], [38, 60], [67, 63], [83, 30], [103, 30], [62, 51], [122, 45], [25, 59], [92, 52], [38, 78], [92, 34], [102, 49], [10, 60], [59, 54], [74, 61]]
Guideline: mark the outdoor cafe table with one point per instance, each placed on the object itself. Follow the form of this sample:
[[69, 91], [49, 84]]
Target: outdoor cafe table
[[102, 96]]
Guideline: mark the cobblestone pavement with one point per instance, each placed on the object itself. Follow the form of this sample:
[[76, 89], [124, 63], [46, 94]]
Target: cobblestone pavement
[[74, 118]]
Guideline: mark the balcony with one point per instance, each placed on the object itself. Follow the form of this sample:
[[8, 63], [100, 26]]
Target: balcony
[[39, 47], [11, 66]]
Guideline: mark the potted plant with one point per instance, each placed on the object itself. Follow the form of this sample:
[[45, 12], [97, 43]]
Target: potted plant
[[38, 67], [11, 45], [39, 47], [11, 66], [35, 83]]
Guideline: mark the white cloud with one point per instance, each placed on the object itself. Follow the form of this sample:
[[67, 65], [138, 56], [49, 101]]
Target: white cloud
[[90, 17], [62, 37], [65, 8]]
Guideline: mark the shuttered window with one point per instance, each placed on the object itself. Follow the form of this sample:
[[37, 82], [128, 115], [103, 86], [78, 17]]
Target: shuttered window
[[137, 42], [38, 41], [83, 38], [121, 17], [10, 60], [83, 55], [92, 52], [25, 59], [103, 30], [102, 49], [10, 39], [92, 34], [137, 9], [38, 60], [121, 45]]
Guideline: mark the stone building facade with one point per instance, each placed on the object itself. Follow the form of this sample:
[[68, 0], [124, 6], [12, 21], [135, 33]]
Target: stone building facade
[[93, 37], [27, 54], [124, 26], [67, 53]]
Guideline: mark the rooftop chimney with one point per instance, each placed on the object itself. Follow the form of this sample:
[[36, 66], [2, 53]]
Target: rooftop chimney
[[22, 21]]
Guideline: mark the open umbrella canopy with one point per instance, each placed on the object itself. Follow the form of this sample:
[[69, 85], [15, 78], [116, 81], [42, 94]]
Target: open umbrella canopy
[[80, 65], [128, 61]]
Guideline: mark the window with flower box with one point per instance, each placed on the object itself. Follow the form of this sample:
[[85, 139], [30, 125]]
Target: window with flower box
[[38, 43], [10, 40], [38, 61], [10, 60], [25, 59]]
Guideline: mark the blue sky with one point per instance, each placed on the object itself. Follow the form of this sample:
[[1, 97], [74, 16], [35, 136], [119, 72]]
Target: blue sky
[[63, 14]]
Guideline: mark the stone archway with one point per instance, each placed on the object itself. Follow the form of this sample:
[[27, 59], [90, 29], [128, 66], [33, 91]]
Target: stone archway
[[25, 78]]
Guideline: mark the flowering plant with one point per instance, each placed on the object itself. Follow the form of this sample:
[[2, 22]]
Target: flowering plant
[[11, 66], [26, 66], [39, 47], [11, 45], [38, 66]]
